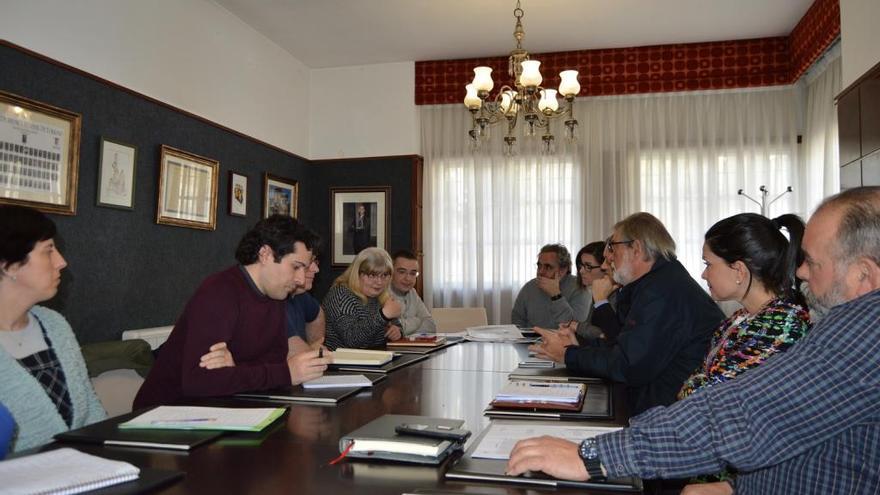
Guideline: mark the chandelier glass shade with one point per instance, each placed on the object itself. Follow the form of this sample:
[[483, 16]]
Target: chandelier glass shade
[[526, 101]]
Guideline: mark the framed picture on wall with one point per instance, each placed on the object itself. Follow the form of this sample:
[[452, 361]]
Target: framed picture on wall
[[237, 194], [187, 190], [116, 173], [359, 219], [280, 196], [39, 154]]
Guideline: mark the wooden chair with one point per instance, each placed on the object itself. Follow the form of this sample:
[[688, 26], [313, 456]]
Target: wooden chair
[[457, 319]]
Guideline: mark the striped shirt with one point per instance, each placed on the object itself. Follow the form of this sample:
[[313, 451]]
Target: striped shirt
[[805, 422], [350, 322]]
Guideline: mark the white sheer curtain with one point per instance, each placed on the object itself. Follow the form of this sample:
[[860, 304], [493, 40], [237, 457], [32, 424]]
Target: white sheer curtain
[[487, 215], [680, 156], [821, 146]]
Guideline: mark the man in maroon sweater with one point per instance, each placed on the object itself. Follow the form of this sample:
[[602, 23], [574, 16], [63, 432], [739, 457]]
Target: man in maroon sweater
[[240, 313]]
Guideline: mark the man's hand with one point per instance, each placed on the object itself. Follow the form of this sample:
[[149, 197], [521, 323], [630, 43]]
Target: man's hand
[[717, 488], [218, 356], [392, 308], [307, 366], [393, 332], [554, 456], [549, 285], [603, 287], [552, 346]]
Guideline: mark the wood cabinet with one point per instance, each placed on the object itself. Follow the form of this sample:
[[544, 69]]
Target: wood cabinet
[[858, 115]]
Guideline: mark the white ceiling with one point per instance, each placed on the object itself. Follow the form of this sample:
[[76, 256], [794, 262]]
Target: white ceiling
[[336, 33]]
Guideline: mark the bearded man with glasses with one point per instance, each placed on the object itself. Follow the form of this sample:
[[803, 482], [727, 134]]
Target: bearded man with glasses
[[666, 319]]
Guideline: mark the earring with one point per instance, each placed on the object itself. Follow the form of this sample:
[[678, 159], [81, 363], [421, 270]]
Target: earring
[[739, 282]]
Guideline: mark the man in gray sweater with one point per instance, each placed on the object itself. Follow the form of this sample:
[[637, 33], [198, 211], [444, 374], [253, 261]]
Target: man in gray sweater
[[553, 296], [415, 317]]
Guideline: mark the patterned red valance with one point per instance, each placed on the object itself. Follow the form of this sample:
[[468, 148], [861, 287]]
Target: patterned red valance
[[653, 69]]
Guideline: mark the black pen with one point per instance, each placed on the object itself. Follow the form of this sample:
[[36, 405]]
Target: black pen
[[320, 352]]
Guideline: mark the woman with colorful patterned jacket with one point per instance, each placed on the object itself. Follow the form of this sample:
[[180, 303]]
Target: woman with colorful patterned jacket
[[750, 261]]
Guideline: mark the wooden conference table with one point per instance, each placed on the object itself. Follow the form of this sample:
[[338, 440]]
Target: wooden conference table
[[457, 382]]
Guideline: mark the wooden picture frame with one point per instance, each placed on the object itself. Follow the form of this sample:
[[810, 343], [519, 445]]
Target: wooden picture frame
[[187, 189], [116, 175], [39, 154], [280, 196], [348, 235], [237, 194]]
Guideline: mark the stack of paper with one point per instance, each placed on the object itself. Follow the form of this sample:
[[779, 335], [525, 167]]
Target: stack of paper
[[494, 333], [529, 391], [62, 471], [205, 418]]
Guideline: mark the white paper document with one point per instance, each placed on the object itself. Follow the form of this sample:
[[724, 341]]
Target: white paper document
[[62, 471], [338, 381], [500, 439], [494, 333]]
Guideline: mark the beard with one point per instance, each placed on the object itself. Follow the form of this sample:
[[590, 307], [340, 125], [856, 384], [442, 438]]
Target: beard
[[821, 304], [623, 274]]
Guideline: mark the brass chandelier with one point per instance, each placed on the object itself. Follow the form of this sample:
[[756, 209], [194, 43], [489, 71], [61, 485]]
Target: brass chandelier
[[527, 100]]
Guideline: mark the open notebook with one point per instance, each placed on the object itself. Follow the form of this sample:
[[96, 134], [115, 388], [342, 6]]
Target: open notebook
[[62, 471]]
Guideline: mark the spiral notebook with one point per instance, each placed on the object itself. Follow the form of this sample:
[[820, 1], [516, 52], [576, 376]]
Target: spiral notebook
[[62, 471]]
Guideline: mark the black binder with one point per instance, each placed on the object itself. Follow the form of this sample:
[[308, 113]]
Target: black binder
[[296, 393], [493, 470], [399, 361], [107, 433]]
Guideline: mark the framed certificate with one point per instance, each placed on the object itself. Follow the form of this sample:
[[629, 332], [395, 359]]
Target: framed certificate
[[39, 154], [187, 190]]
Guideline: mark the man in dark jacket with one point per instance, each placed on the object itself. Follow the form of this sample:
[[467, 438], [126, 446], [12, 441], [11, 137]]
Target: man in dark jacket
[[666, 319]]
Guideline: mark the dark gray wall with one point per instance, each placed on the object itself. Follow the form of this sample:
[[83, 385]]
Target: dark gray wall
[[125, 271]]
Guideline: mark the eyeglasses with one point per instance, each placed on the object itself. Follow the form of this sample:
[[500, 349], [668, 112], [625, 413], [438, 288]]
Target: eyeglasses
[[546, 266], [376, 276], [609, 244], [588, 266], [404, 272]]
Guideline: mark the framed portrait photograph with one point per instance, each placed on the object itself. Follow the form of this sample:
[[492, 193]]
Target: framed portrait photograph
[[359, 219], [116, 173], [237, 194], [39, 154], [187, 190], [280, 196]]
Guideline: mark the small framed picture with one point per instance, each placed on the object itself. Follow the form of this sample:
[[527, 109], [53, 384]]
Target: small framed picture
[[359, 219], [39, 154], [280, 196], [237, 194], [116, 173], [187, 190]]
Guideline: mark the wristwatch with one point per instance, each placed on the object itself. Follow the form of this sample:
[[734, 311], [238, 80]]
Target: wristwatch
[[556, 297], [589, 452]]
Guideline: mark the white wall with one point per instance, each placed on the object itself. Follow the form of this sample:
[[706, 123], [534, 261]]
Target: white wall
[[860, 38], [192, 54], [366, 110]]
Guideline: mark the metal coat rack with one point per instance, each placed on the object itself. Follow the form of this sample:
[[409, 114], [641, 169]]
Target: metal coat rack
[[765, 206]]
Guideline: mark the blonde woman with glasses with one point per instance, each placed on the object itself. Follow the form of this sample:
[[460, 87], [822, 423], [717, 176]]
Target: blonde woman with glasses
[[361, 313]]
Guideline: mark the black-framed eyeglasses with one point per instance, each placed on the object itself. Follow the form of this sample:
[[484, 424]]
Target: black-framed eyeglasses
[[609, 244], [588, 266]]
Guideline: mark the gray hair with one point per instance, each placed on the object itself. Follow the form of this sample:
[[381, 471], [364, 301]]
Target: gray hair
[[858, 235], [562, 255], [650, 231]]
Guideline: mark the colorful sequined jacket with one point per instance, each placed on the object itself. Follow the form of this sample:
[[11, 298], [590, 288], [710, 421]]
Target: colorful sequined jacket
[[744, 341]]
